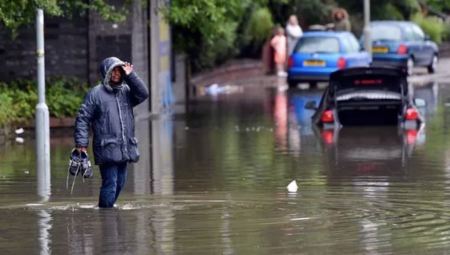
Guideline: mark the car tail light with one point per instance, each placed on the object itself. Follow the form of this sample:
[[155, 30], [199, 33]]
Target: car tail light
[[341, 63], [327, 116], [412, 114], [402, 49], [291, 62]]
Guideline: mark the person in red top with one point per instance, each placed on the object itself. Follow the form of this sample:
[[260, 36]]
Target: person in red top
[[278, 42]]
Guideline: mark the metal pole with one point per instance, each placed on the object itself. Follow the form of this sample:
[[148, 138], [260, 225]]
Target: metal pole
[[42, 115], [367, 36]]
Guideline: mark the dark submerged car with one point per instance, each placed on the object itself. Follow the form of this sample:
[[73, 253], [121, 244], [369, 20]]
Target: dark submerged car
[[368, 151], [368, 96]]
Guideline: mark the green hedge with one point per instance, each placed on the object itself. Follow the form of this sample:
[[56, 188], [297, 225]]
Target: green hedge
[[18, 100], [431, 26]]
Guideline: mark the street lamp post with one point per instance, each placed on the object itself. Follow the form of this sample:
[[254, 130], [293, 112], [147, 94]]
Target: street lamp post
[[42, 115], [367, 36]]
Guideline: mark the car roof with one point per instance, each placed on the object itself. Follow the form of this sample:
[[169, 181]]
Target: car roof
[[337, 34], [392, 22], [387, 70]]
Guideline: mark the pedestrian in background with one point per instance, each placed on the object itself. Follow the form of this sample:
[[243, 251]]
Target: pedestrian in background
[[108, 107], [341, 20], [279, 44], [293, 32]]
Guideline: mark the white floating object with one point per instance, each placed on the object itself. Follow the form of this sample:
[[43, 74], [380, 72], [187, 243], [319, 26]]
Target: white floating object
[[27, 172], [292, 187], [19, 139], [19, 131], [34, 204]]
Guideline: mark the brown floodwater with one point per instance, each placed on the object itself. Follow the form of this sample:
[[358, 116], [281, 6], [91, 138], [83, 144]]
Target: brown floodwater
[[214, 181]]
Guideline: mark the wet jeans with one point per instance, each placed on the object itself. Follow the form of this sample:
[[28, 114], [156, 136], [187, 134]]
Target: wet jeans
[[113, 180]]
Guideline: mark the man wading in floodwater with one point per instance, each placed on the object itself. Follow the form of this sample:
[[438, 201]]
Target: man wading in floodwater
[[109, 108]]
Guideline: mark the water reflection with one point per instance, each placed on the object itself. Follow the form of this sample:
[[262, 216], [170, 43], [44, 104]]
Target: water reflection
[[45, 225], [428, 92], [368, 151], [204, 186], [44, 216]]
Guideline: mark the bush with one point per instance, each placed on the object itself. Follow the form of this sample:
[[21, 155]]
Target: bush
[[431, 26], [18, 100], [261, 25]]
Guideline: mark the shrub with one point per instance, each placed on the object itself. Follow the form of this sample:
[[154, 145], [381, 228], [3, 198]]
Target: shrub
[[431, 26], [18, 100]]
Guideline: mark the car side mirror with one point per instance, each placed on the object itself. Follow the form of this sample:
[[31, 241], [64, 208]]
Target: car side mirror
[[419, 102], [311, 105], [427, 38]]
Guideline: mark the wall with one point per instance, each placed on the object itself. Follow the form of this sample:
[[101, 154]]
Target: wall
[[65, 50], [75, 47]]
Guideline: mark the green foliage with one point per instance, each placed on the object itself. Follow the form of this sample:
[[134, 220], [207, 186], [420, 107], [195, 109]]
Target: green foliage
[[65, 97], [439, 5], [261, 24], [18, 99], [383, 9], [14, 13], [212, 31], [431, 26]]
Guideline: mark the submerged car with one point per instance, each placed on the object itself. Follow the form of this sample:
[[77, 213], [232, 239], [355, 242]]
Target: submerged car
[[368, 96], [404, 44], [369, 151], [318, 54]]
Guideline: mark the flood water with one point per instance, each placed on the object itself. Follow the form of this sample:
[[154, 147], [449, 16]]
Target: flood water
[[214, 182]]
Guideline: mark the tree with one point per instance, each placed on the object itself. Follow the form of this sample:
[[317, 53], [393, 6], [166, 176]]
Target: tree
[[14, 13], [212, 31]]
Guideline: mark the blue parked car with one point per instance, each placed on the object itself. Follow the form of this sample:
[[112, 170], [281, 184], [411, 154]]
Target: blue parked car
[[404, 44], [320, 53]]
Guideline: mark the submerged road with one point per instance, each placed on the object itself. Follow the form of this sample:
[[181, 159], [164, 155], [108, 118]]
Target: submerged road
[[214, 182]]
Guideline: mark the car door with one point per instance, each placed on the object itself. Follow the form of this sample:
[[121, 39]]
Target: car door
[[428, 49], [352, 52], [411, 41], [420, 56], [363, 57]]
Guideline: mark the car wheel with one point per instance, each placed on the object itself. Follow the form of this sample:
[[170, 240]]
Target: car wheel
[[434, 63], [292, 84], [410, 66]]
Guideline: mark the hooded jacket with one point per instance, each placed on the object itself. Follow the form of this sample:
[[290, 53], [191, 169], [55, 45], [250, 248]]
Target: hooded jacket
[[109, 109], [342, 24]]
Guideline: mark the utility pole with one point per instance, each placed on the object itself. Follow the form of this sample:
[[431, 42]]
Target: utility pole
[[42, 115], [367, 36]]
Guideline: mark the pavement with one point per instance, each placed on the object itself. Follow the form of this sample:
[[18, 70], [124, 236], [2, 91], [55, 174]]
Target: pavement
[[420, 77], [442, 75]]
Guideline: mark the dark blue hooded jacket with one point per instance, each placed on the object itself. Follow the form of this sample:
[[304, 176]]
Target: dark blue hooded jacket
[[109, 108]]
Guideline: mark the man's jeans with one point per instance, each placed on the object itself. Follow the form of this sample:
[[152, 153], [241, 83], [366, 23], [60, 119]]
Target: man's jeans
[[113, 180]]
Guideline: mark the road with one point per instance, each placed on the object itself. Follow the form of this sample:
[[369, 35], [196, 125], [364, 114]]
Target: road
[[214, 182]]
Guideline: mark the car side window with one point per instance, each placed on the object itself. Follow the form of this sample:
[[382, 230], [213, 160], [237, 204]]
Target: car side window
[[409, 33], [418, 33], [354, 43], [347, 45]]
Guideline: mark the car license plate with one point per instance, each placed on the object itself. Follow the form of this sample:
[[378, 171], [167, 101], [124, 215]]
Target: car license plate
[[380, 50], [314, 63]]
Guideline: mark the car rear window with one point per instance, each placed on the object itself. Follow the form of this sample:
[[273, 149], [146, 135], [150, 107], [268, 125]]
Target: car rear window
[[368, 83], [386, 33], [318, 45]]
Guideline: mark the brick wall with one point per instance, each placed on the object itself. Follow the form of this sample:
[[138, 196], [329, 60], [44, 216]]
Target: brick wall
[[65, 50], [75, 47]]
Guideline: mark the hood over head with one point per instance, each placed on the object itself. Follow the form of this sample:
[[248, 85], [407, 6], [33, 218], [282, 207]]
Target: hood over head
[[106, 68], [335, 11]]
